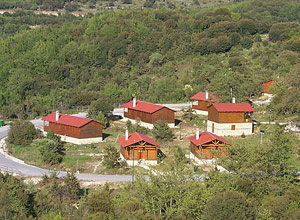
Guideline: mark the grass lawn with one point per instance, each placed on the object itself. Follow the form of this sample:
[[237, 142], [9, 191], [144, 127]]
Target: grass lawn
[[85, 158]]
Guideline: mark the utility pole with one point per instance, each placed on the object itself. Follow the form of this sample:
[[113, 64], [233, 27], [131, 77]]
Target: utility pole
[[262, 132], [133, 165], [180, 139]]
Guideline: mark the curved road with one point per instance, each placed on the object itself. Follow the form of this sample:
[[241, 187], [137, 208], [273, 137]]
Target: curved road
[[13, 165]]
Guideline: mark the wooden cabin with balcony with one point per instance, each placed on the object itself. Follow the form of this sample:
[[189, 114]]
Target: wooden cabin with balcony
[[73, 129], [202, 100], [136, 148], [230, 119], [206, 145], [147, 113]]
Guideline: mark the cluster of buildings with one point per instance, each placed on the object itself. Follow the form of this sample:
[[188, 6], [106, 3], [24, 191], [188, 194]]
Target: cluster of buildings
[[223, 119]]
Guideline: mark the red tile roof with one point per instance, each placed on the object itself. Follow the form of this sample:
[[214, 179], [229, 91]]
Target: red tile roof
[[206, 137], [201, 96], [233, 107], [144, 106], [67, 120], [136, 137], [266, 85]]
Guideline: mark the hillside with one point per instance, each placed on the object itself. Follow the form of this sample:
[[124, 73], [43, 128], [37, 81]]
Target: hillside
[[52, 59], [156, 55]]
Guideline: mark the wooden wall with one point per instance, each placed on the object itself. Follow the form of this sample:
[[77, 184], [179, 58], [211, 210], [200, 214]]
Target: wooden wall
[[205, 151], [195, 150], [213, 114], [202, 105], [148, 152], [227, 117], [63, 129], [163, 114], [134, 114], [90, 130]]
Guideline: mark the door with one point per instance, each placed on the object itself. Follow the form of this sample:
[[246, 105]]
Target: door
[[213, 127], [140, 154]]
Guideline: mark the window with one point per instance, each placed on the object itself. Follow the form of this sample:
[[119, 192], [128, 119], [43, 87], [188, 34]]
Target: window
[[247, 115], [232, 127], [46, 123]]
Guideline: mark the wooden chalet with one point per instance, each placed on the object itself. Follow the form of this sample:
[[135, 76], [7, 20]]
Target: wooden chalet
[[202, 100], [72, 128], [148, 113], [136, 148], [230, 119], [205, 145], [266, 86]]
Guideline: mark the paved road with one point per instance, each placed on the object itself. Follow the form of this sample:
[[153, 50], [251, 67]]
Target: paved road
[[11, 165]]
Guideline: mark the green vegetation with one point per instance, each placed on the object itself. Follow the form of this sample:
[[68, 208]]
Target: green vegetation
[[111, 157], [160, 56], [162, 132], [21, 133], [12, 23], [95, 62], [262, 182], [49, 151], [156, 55]]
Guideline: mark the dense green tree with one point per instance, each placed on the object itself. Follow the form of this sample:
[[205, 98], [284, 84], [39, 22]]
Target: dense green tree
[[103, 104], [71, 187], [162, 131], [231, 205], [14, 198], [111, 156], [102, 119], [280, 31], [21, 133], [49, 151]]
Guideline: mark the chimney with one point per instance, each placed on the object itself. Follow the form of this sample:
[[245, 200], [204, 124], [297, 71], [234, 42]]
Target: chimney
[[233, 100], [56, 116], [206, 95], [197, 134], [126, 135], [134, 102]]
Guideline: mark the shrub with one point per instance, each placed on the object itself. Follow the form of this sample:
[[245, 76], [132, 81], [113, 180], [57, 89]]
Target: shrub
[[21, 133], [235, 61], [48, 150], [57, 139], [102, 119], [247, 42], [162, 131], [111, 157]]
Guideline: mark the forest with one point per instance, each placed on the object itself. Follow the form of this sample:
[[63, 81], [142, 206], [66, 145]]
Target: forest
[[262, 184], [161, 56]]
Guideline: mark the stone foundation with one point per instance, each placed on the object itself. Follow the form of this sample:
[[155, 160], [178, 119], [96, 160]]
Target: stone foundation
[[138, 162], [81, 141], [224, 129], [77, 140], [205, 162]]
